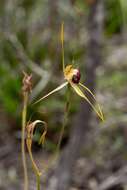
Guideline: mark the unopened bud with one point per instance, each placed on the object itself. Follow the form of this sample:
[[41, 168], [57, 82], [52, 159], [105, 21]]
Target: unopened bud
[[27, 83]]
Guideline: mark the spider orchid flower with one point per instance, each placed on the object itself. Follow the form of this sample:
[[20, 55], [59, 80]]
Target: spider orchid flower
[[72, 77]]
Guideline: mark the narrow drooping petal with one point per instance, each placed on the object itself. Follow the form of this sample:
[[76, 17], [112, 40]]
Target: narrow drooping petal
[[53, 91], [98, 106], [81, 94]]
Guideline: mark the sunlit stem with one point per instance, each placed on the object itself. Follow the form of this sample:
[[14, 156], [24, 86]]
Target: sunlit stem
[[24, 113], [62, 44]]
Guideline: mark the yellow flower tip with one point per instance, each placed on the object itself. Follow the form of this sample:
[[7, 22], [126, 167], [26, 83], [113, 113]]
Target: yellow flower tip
[[103, 118], [101, 115], [99, 112]]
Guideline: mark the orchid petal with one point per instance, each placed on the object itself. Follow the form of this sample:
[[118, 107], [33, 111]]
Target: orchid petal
[[81, 94], [88, 90], [53, 91]]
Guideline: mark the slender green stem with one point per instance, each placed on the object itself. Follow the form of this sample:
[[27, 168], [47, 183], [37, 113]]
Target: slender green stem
[[62, 45], [66, 112], [38, 182], [35, 168], [24, 113]]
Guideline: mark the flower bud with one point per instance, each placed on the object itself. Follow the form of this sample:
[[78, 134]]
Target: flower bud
[[27, 83]]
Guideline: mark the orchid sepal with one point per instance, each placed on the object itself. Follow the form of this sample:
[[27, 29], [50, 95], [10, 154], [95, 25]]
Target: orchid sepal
[[53, 91], [81, 94]]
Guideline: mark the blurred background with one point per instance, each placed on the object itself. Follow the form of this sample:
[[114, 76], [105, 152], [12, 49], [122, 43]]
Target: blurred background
[[93, 153]]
